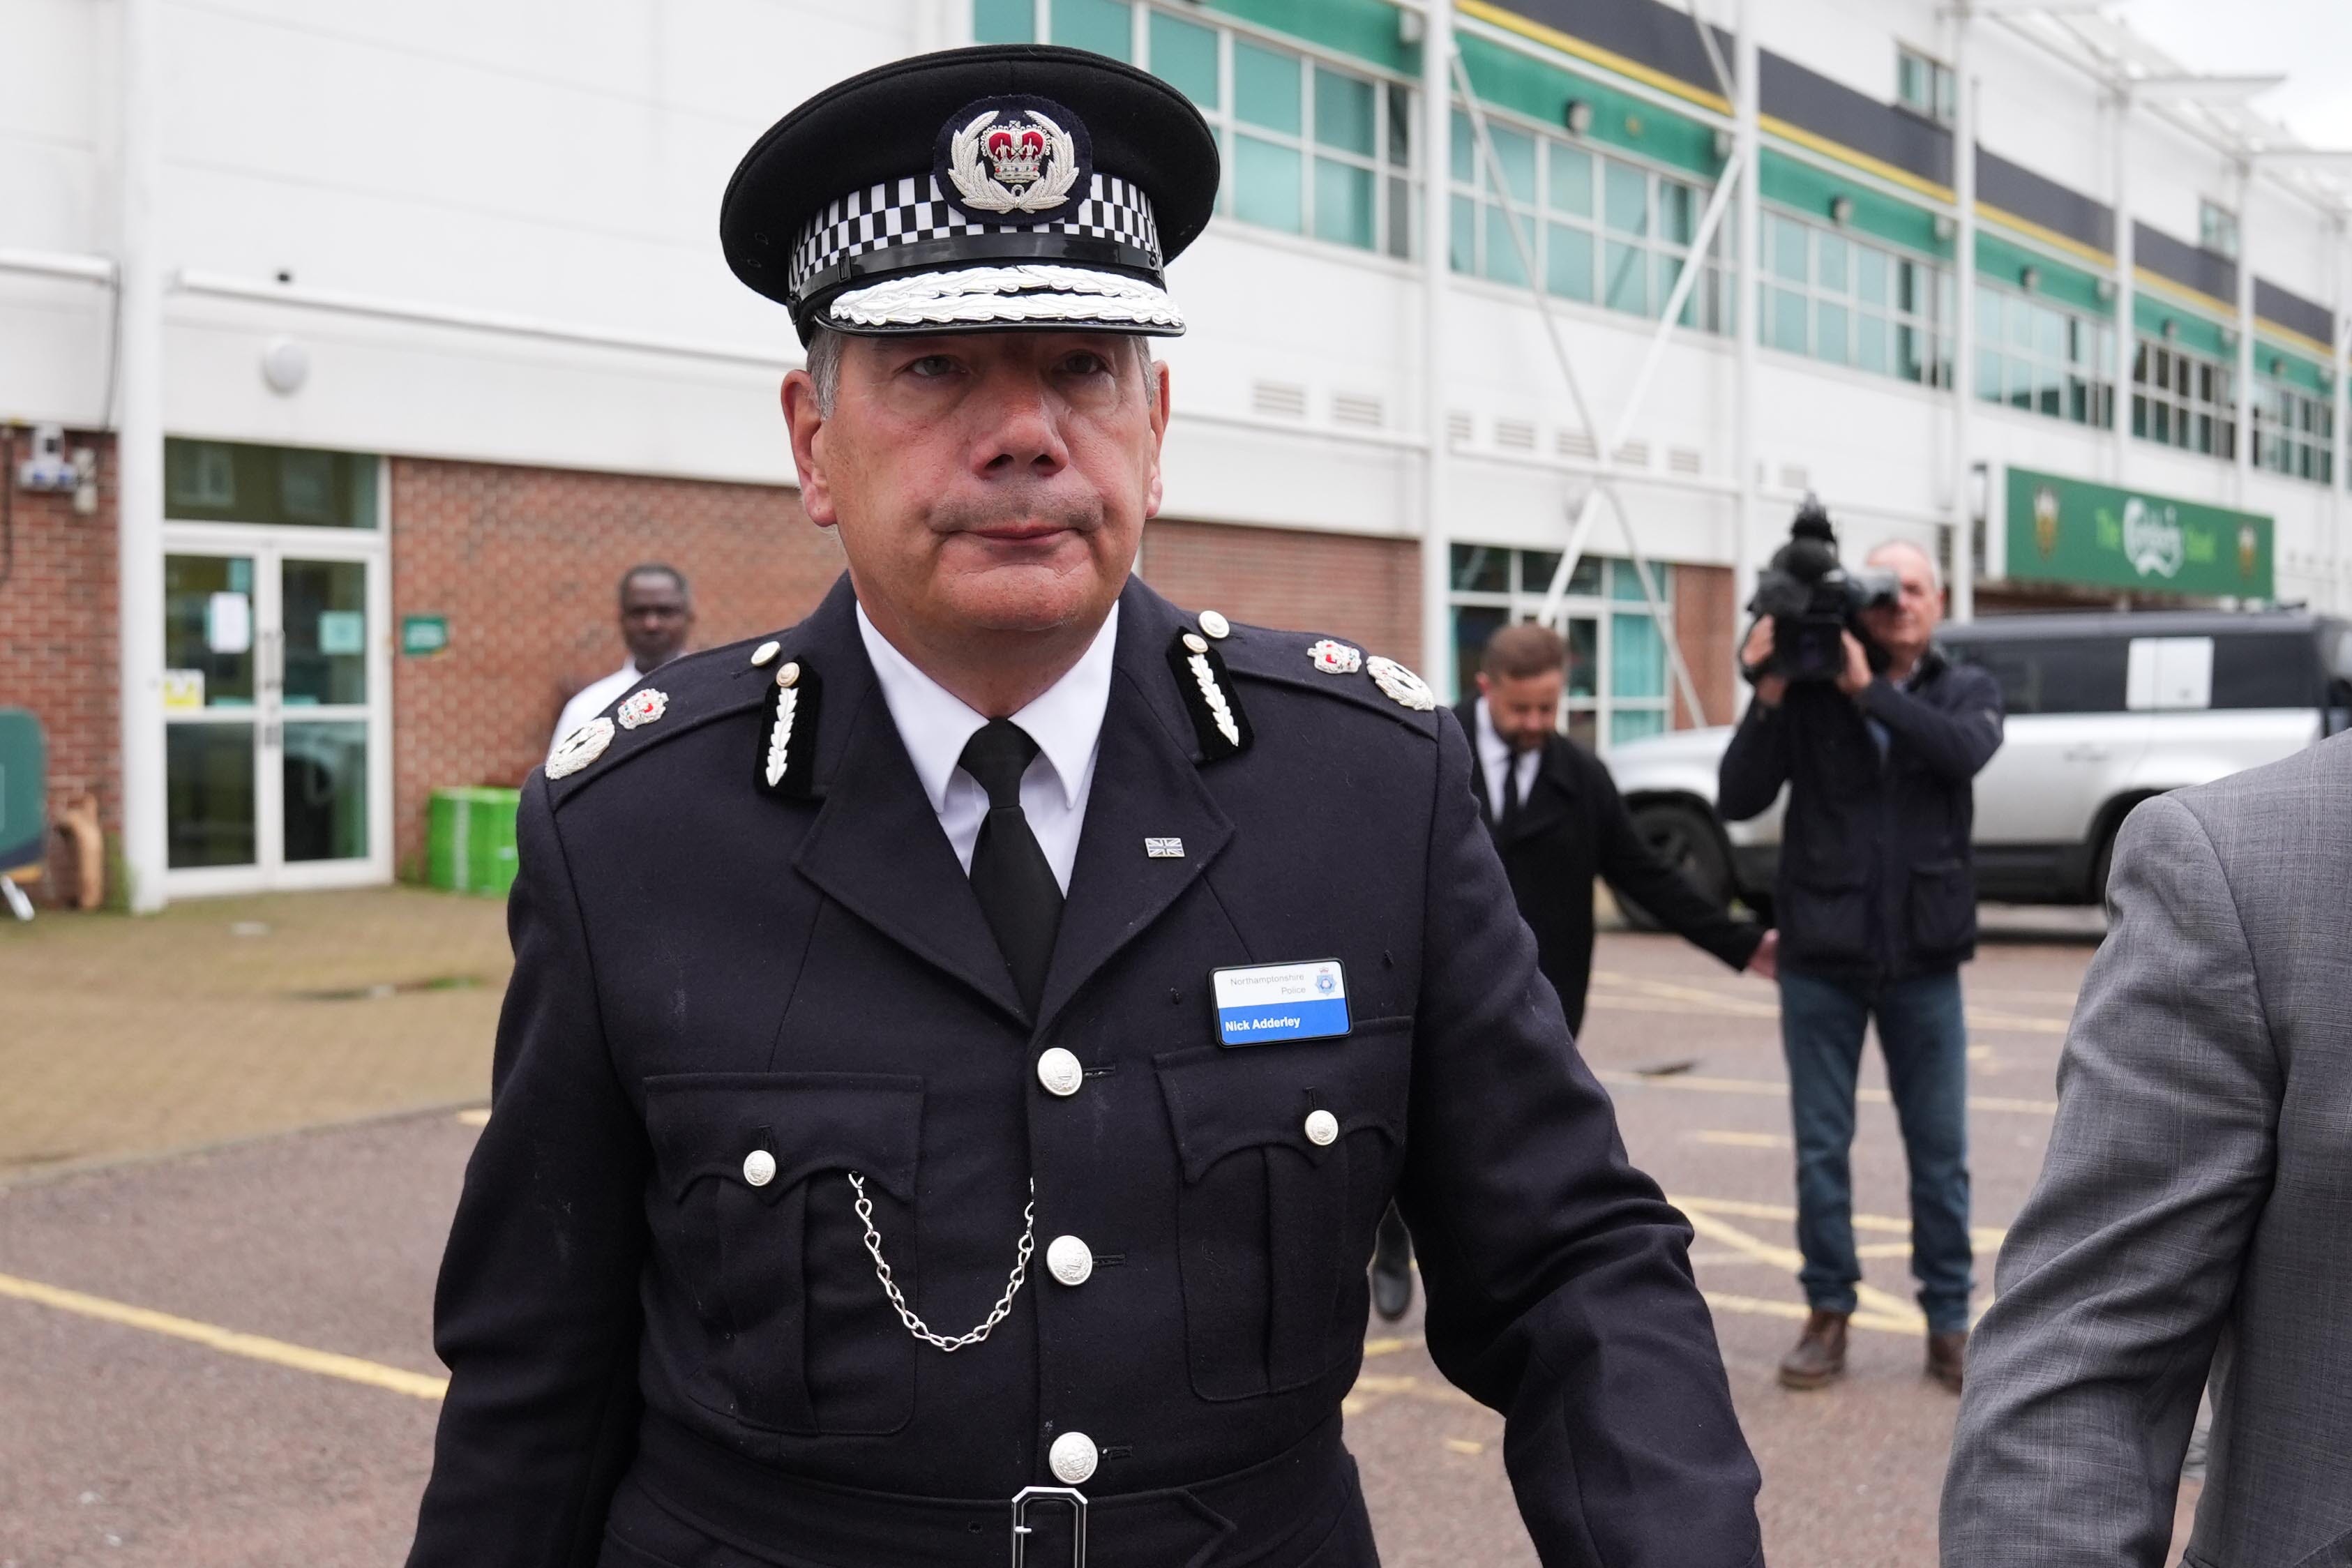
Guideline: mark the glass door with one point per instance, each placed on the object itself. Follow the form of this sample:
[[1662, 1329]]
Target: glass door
[[275, 718]]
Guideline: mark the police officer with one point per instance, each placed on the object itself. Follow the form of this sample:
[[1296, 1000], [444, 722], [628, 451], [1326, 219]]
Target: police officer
[[960, 1047]]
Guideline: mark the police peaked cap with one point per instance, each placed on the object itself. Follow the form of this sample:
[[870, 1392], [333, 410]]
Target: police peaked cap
[[1008, 186]]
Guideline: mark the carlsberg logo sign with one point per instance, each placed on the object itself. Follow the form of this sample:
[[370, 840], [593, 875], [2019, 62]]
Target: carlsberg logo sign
[[2152, 540]]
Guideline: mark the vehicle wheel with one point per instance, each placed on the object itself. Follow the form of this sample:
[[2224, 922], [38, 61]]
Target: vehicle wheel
[[1688, 841]]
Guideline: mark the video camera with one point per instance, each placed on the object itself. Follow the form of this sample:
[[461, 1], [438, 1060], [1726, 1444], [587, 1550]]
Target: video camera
[[1813, 601]]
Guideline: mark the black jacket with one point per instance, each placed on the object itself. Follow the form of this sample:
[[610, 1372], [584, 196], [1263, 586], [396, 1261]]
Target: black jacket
[[708, 968], [1876, 877], [1572, 826]]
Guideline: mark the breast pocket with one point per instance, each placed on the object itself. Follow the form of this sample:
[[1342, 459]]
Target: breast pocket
[[1289, 1153], [756, 1220]]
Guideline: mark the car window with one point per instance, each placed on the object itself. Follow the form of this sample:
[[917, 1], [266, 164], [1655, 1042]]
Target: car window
[[2267, 671], [2059, 675]]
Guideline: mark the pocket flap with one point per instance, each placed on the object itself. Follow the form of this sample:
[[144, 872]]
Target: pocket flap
[[705, 1123], [1221, 1100]]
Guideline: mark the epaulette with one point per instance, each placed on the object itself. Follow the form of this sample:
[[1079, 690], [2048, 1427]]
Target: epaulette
[[1315, 663], [681, 696]]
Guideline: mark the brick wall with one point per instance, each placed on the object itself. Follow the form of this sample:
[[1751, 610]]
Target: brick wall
[[58, 647], [526, 563], [1705, 626], [1365, 590]]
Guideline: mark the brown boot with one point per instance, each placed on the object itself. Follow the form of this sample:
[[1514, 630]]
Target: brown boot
[[1945, 1353], [1819, 1357]]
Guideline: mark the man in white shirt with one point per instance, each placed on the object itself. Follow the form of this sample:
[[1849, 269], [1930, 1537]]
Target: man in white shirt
[[657, 615]]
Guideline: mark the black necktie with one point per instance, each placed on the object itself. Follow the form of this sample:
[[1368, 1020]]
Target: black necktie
[[1009, 871], [1510, 820]]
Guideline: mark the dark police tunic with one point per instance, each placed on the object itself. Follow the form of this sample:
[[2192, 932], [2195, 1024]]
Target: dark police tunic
[[657, 1360]]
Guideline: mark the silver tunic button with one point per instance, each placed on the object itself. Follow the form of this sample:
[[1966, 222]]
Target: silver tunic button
[[765, 652], [759, 1167], [1073, 1457], [1059, 1071], [1215, 625], [1071, 1261], [1322, 1127]]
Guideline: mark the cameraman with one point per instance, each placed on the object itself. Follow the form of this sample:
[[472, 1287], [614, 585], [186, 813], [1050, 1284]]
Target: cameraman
[[1875, 901]]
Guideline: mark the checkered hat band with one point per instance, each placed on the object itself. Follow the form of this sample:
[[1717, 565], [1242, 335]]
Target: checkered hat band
[[854, 235]]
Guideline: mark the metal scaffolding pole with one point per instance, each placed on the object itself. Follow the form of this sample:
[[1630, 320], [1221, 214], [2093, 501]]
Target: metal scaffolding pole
[[1746, 307], [1491, 172], [1962, 586], [139, 461], [1436, 240], [2339, 365]]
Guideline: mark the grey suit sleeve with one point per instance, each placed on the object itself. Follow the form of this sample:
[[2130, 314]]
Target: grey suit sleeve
[[2084, 1378]]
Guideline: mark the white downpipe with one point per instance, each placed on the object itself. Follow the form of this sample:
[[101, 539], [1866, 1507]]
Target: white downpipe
[[1963, 588], [2242, 465], [2343, 401], [139, 456], [1436, 242], [2126, 291]]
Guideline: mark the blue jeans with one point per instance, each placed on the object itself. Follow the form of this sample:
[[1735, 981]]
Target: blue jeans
[[1924, 1039]]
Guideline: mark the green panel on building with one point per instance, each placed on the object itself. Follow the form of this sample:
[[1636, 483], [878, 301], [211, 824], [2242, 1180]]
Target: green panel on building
[[1367, 29], [2093, 535], [2071, 287], [1803, 188], [2194, 331], [2286, 366], [1510, 79]]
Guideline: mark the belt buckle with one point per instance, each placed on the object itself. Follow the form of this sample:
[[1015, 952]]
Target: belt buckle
[[1028, 1495]]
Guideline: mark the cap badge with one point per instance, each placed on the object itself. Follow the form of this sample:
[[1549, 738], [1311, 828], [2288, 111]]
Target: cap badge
[[1402, 685], [1013, 159], [1335, 657]]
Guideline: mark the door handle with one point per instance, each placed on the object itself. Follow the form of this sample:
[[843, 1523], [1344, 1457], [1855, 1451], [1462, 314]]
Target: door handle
[[2087, 754]]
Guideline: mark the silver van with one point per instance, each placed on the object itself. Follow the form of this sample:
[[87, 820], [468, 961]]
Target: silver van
[[2105, 708]]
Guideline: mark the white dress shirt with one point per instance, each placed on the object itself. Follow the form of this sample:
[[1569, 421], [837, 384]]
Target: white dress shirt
[[592, 699], [1065, 722], [1495, 755]]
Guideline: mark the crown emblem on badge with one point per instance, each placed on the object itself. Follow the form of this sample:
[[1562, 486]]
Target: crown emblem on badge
[[1010, 160]]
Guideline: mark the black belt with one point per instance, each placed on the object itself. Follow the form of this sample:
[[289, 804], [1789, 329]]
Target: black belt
[[1296, 1498]]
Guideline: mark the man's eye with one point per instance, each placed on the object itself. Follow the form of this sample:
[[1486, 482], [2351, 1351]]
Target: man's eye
[[931, 366], [1087, 363]]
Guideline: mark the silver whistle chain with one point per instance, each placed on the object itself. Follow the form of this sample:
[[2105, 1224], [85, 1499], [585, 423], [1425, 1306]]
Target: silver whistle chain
[[915, 1325]]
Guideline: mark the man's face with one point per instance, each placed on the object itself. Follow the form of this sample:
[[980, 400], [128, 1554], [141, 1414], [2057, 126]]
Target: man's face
[[985, 484], [1525, 708], [1903, 627], [656, 616]]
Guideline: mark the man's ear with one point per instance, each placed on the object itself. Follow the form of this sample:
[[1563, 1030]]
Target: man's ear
[[1156, 371], [805, 422], [1484, 688]]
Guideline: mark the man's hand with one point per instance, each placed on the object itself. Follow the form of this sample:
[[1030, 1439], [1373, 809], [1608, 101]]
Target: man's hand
[[1765, 963], [1856, 677], [1757, 652]]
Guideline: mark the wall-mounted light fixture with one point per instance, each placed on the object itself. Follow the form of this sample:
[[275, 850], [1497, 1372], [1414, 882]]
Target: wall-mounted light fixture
[[285, 366], [1840, 210], [1947, 226], [2106, 289], [2171, 330], [1724, 142], [2031, 278], [1577, 116], [2278, 365]]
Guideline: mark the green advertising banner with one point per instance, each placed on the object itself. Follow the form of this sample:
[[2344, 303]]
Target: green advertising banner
[[2069, 531]]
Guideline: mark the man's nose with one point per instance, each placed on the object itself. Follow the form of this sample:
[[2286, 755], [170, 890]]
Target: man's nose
[[1021, 433]]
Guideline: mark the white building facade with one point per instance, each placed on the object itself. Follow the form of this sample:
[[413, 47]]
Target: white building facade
[[301, 277]]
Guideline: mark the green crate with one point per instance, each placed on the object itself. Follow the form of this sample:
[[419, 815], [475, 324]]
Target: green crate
[[469, 840], [24, 788]]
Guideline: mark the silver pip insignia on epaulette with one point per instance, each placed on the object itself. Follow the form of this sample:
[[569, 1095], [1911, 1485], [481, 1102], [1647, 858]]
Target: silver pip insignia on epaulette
[[580, 748], [788, 746], [1218, 721], [1402, 685]]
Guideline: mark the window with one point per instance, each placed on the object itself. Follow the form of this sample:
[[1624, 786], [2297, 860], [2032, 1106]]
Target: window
[[1831, 296], [2217, 229], [1616, 648], [1604, 231], [2032, 355], [2295, 432], [2185, 400], [1309, 148], [230, 482], [1925, 85], [2053, 675]]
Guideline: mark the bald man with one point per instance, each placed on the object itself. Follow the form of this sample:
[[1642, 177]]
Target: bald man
[[1875, 901]]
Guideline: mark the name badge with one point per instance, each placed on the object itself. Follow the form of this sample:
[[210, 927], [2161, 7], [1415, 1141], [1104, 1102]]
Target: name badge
[[1271, 1002]]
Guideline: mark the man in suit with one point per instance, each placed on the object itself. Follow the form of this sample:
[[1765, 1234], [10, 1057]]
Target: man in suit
[[1559, 823], [2192, 1214], [956, 1054]]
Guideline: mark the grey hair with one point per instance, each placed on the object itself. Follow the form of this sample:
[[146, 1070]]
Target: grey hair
[[1935, 570], [826, 347]]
